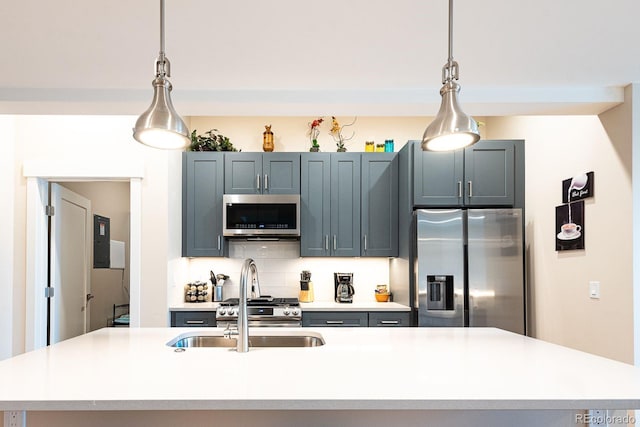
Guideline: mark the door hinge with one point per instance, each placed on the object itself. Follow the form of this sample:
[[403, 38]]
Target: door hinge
[[49, 210], [48, 292]]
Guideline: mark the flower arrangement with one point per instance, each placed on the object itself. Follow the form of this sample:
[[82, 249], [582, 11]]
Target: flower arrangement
[[336, 133], [314, 131], [211, 140]]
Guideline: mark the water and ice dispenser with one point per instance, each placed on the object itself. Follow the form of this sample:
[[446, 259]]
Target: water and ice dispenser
[[439, 292]]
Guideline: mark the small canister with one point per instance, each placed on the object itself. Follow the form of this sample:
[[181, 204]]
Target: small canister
[[388, 146], [379, 148], [368, 147], [217, 293]]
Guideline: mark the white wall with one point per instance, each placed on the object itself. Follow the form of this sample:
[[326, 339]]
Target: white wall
[[7, 284], [86, 140], [560, 309]]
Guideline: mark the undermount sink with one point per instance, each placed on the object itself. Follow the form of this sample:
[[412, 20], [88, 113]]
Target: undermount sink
[[276, 340]]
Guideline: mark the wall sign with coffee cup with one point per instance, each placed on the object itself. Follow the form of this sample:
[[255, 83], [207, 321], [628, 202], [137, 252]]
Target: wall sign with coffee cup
[[577, 188], [570, 226]]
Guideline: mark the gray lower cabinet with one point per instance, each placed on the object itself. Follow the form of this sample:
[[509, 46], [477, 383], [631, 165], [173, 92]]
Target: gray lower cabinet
[[335, 318], [389, 318], [356, 318], [262, 173], [379, 227], [484, 174], [330, 204], [193, 318], [202, 191]]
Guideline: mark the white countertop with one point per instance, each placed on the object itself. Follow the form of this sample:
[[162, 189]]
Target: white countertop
[[306, 306], [357, 368]]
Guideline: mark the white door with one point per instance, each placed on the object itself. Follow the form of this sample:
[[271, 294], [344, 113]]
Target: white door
[[70, 264]]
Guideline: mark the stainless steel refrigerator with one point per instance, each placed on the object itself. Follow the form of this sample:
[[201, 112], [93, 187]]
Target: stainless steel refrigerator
[[469, 268]]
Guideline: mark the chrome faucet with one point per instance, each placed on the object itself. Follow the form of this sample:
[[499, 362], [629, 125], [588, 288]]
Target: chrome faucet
[[249, 266]]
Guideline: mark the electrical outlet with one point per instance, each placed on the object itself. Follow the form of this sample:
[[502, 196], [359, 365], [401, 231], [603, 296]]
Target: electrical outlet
[[15, 419]]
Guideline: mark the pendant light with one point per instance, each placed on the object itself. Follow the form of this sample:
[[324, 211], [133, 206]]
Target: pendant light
[[452, 129], [160, 126]]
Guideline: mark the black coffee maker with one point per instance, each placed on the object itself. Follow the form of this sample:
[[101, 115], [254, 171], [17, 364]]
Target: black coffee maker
[[343, 283]]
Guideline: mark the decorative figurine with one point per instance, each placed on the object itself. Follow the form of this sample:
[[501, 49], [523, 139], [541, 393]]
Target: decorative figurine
[[267, 139]]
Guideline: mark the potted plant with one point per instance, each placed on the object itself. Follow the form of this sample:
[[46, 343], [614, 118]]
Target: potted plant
[[314, 131], [336, 133], [211, 140]]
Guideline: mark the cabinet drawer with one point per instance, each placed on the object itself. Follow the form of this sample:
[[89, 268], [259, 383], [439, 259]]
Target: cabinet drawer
[[339, 319], [193, 318], [389, 319]]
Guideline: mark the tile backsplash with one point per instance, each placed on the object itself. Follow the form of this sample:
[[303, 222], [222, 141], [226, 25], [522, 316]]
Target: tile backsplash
[[279, 266]]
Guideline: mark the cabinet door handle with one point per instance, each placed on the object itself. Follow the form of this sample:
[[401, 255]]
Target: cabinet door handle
[[334, 322], [389, 322], [195, 322], [335, 243], [365, 242], [219, 241], [326, 242], [470, 189], [258, 181], [266, 182], [459, 189]]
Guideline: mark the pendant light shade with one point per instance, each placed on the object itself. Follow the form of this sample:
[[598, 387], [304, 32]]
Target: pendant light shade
[[161, 126], [452, 129]]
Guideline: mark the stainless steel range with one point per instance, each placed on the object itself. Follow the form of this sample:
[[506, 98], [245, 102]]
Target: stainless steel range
[[262, 311]]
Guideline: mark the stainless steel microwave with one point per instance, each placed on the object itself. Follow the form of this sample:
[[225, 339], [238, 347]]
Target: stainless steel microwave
[[247, 215]]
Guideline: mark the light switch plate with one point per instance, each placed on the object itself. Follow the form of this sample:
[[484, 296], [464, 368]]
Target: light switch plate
[[594, 290]]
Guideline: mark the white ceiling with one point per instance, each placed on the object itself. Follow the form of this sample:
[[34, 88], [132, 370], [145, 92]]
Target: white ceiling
[[301, 57]]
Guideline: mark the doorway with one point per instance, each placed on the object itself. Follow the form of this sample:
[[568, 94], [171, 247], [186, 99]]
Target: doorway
[[38, 175], [109, 284]]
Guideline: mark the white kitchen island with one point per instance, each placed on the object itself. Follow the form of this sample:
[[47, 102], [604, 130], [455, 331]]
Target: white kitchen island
[[361, 376]]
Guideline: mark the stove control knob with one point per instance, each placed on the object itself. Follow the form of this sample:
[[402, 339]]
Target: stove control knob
[[286, 312], [233, 312], [222, 312], [295, 312]]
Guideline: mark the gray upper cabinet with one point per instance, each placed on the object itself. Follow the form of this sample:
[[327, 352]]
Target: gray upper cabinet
[[489, 173], [262, 173], [330, 204], [481, 175], [379, 204], [202, 190], [438, 177]]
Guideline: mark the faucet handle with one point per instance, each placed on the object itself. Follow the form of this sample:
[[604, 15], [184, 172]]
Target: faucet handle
[[229, 333]]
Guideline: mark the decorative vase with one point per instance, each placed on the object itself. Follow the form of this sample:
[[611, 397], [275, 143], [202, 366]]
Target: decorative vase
[[314, 149], [341, 149], [267, 139]]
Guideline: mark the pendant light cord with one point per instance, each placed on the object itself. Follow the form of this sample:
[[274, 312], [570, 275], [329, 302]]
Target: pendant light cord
[[163, 66], [450, 69], [450, 60]]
